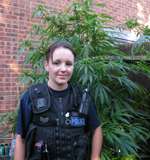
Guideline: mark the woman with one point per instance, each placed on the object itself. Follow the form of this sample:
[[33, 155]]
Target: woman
[[53, 122]]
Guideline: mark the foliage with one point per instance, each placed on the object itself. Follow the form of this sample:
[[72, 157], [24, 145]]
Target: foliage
[[99, 65], [132, 23], [9, 118], [138, 27], [129, 157], [142, 45]]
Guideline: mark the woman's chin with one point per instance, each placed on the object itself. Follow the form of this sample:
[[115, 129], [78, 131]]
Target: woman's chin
[[62, 82]]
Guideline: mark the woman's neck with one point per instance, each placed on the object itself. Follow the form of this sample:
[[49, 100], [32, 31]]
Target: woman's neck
[[57, 87]]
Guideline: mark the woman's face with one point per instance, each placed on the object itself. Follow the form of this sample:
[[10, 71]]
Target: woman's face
[[60, 68]]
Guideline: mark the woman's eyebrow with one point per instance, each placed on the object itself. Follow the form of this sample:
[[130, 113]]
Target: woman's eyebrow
[[56, 59]]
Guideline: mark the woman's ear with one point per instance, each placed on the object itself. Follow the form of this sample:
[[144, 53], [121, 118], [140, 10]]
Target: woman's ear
[[46, 65]]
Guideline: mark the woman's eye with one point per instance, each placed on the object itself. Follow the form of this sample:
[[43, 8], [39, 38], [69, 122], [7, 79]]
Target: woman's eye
[[56, 62], [59, 63], [69, 64]]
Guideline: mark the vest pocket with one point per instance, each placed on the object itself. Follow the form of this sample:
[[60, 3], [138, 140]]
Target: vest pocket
[[29, 141]]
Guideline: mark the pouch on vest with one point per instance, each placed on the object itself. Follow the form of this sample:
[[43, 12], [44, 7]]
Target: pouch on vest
[[29, 141], [40, 98]]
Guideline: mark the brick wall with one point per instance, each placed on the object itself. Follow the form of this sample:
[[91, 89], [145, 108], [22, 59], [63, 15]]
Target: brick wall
[[121, 10], [15, 22]]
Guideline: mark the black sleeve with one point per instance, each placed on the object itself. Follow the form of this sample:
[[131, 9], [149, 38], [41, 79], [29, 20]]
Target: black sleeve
[[24, 115], [93, 118]]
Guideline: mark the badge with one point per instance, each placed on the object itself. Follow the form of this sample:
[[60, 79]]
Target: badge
[[67, 114]]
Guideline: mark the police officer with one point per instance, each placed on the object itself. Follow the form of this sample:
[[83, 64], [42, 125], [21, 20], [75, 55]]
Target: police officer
[[55, 118]]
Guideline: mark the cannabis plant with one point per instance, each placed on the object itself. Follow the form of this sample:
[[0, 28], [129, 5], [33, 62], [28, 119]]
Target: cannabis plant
[[100, 66], [141, 48]]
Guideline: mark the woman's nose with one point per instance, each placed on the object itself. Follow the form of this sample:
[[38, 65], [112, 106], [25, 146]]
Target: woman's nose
[[63, 67]]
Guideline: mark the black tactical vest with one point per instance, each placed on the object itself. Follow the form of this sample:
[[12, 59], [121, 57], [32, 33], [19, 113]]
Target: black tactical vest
[[57, 131]]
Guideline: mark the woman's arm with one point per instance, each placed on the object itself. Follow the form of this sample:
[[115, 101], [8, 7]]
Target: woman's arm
[[96, 144], [19, 153]]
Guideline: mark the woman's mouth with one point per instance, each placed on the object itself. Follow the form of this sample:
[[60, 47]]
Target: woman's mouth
[[61, 76]]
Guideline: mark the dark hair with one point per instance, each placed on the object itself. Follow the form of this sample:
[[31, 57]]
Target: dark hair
[[58, 44]]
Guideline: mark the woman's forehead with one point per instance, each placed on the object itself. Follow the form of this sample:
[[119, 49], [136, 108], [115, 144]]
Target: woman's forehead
[[63, 53]]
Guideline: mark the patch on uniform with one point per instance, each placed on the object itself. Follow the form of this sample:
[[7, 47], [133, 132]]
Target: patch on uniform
[[44, 119], [75, 121]]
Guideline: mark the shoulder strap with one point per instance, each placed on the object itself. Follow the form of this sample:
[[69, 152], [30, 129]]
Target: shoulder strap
[[40, 98]]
